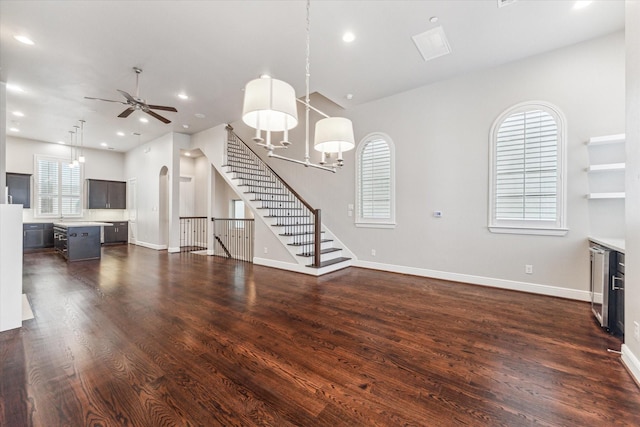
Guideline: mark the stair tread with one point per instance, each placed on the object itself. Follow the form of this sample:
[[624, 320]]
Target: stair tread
[[309, 242], [281, 208], [287, 216], [299, 234], [330, 262], [322, 252]]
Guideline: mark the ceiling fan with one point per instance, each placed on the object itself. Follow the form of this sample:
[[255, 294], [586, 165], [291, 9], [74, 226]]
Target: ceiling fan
[[137, 103]]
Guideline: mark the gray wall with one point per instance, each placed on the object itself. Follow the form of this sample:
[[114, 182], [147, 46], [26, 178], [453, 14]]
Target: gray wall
[[441, 135]]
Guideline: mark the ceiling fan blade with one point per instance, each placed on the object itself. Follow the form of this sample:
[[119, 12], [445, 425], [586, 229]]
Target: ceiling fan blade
[[102, 99], [130, 98], [157, 116], [127, 112], [160, 107]]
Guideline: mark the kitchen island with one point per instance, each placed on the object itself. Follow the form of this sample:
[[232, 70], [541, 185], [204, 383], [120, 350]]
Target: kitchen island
[[77, 241]]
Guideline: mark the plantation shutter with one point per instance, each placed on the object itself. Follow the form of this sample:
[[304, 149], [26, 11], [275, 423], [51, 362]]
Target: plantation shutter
[[59, 188], [375, 180], [47, 199], [526, 162], [70, 190]]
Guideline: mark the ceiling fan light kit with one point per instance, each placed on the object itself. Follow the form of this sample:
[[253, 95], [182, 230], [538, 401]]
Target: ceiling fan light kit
[[137, 103], [270, 106]]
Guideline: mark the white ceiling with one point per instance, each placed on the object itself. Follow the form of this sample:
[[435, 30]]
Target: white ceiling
[[210, 49]]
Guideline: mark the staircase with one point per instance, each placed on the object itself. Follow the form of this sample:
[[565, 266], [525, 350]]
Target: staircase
[[292, 219]]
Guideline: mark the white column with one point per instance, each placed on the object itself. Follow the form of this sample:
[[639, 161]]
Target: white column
[[10, 267]]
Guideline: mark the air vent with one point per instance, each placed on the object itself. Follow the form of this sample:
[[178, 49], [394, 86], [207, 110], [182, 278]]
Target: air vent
[[503, 3], [432, 44]]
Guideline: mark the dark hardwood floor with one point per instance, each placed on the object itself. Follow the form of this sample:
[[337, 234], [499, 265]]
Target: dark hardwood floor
[[146, 338]]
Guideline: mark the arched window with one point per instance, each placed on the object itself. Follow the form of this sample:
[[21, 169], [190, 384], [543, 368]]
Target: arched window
[[375, 182], [527, 189]]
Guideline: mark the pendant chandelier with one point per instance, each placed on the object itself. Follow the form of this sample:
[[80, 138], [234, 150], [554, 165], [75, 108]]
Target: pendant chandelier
[[270, 106]]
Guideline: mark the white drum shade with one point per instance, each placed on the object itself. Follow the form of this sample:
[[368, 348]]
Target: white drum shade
[[334, 134], [269, 105]]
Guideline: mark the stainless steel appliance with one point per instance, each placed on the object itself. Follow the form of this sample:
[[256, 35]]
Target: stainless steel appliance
[[601, 264]]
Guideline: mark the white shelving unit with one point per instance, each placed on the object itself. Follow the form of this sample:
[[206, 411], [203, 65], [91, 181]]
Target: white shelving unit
[[607, 139], [610, 168]]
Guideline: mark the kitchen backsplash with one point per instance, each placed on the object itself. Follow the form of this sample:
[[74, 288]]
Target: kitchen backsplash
[[88, 215]]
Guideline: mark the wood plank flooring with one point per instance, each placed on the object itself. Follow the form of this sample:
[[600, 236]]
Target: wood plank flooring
[[146, 338]]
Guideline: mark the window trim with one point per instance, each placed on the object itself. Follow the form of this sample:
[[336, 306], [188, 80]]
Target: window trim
[[62, 161], [544, 228], [368, 222]]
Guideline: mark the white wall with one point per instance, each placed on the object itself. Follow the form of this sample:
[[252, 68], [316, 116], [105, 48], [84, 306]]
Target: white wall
[[441, 135], [144, 163], [631, 349], [100, 164], [3, 142]]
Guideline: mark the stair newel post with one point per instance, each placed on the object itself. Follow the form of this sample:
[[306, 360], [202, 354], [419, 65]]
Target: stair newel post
[[317, 238]]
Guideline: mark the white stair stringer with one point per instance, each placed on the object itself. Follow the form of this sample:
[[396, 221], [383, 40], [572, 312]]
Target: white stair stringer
[[280, 210]]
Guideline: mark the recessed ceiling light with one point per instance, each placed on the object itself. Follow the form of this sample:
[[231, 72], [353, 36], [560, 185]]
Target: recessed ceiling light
[[200, 115], [14, 88], [24, 39], [103, 144], [349, 96], [120, 133], [188, 154], [433, 19], [144, 120], [581, 4], [183, 96], [14, 129], [185, 126], [18, 113], [348, 37]]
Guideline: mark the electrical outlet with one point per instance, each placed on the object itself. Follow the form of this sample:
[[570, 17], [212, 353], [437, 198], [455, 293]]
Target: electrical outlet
[[636, 330], [266, 250], [373, 252], [528, 268]]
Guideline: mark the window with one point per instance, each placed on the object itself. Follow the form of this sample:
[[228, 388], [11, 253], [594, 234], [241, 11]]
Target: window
[[527, 191], [375, 176], [237, 208], [58, 188]]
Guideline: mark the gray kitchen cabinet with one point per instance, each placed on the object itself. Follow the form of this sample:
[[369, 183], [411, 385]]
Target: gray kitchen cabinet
[[37, 235], [106, 194], [19, 185], [118, 233]]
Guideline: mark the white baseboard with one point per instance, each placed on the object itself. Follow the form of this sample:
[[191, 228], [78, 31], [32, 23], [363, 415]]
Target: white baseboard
[[286, 266], [173, 250], [151, 245], [631, 362], [479, 280]]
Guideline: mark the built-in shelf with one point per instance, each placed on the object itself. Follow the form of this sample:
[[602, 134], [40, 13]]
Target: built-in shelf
[[606, 196], [606, 167], [607, 139]]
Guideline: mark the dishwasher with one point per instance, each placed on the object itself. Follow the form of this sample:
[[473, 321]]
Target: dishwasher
[[602, 263]]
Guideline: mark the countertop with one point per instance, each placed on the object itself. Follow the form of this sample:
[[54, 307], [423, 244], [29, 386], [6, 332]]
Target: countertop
[[72, 224], [615, 244]]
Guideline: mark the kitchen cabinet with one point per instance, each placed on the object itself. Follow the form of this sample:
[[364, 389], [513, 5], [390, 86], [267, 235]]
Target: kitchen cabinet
[[37, 235], [78, 241], [106, 194], [617, 296], [19, 185], [118, 233]]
